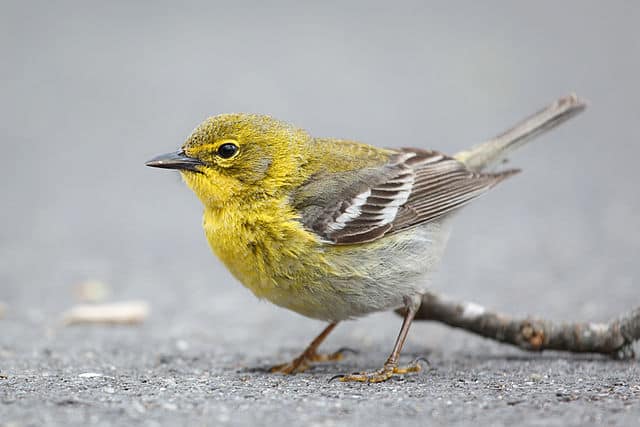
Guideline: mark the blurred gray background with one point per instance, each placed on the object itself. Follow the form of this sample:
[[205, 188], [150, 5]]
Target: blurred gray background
[[91, 90]]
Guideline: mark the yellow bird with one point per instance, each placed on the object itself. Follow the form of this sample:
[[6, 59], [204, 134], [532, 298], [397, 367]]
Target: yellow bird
[[331, 229]]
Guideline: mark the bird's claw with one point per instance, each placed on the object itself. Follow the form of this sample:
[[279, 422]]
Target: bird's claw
[[387, 371], [304, 361]]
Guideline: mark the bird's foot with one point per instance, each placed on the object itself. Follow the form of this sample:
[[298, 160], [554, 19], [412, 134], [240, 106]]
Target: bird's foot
[[306, 359], [387, 371]]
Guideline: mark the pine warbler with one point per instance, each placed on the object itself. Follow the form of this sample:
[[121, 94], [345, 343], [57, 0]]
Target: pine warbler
[[331, 229]]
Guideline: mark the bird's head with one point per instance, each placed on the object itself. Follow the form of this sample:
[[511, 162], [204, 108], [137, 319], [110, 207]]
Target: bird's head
[[234, 156]]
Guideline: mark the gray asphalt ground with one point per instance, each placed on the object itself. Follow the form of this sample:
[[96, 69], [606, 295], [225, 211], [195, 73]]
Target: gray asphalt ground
[[91, 91]]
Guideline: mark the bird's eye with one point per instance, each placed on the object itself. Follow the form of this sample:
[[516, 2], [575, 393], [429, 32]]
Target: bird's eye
[[227, 150]]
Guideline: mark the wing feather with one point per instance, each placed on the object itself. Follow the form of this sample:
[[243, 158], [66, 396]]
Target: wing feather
[[413, 187]]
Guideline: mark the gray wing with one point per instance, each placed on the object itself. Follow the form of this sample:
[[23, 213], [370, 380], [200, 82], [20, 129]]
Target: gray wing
[[415, 186]]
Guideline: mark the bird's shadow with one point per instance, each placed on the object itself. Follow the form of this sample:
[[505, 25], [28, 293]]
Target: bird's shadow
[[435, 359], [546, 356]]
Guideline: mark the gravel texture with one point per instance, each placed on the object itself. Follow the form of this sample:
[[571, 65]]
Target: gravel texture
[[91, 91]]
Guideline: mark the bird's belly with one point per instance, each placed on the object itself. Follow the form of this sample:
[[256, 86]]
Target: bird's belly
[[367, 278]]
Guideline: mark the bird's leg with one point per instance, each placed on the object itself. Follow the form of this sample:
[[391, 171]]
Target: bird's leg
[[310, 355], [390, 367]]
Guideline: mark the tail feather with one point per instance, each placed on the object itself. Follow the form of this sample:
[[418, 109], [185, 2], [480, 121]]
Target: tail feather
[[490, 153]]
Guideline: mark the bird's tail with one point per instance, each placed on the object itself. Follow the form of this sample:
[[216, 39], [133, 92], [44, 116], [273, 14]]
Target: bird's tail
[[490, 153]]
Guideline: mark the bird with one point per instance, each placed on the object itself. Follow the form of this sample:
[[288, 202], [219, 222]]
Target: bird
[[332, 229]]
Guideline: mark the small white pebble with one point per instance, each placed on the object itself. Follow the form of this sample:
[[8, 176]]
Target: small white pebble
[[535, 377], [91, 291], [90, 375]]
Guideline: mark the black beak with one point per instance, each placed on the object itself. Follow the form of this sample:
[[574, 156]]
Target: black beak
[[178, 160]]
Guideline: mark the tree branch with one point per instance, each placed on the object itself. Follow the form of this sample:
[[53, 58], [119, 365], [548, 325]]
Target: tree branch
[[615, 338]]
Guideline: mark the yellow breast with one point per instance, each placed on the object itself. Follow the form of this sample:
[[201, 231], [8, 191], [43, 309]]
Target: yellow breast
[[264, 247]]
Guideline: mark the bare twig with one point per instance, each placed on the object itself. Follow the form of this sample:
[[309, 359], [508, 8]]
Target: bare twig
[[615, 338]]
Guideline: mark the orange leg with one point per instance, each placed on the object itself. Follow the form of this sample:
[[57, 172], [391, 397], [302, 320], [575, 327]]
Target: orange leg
[[310, 355], [390, 367]]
